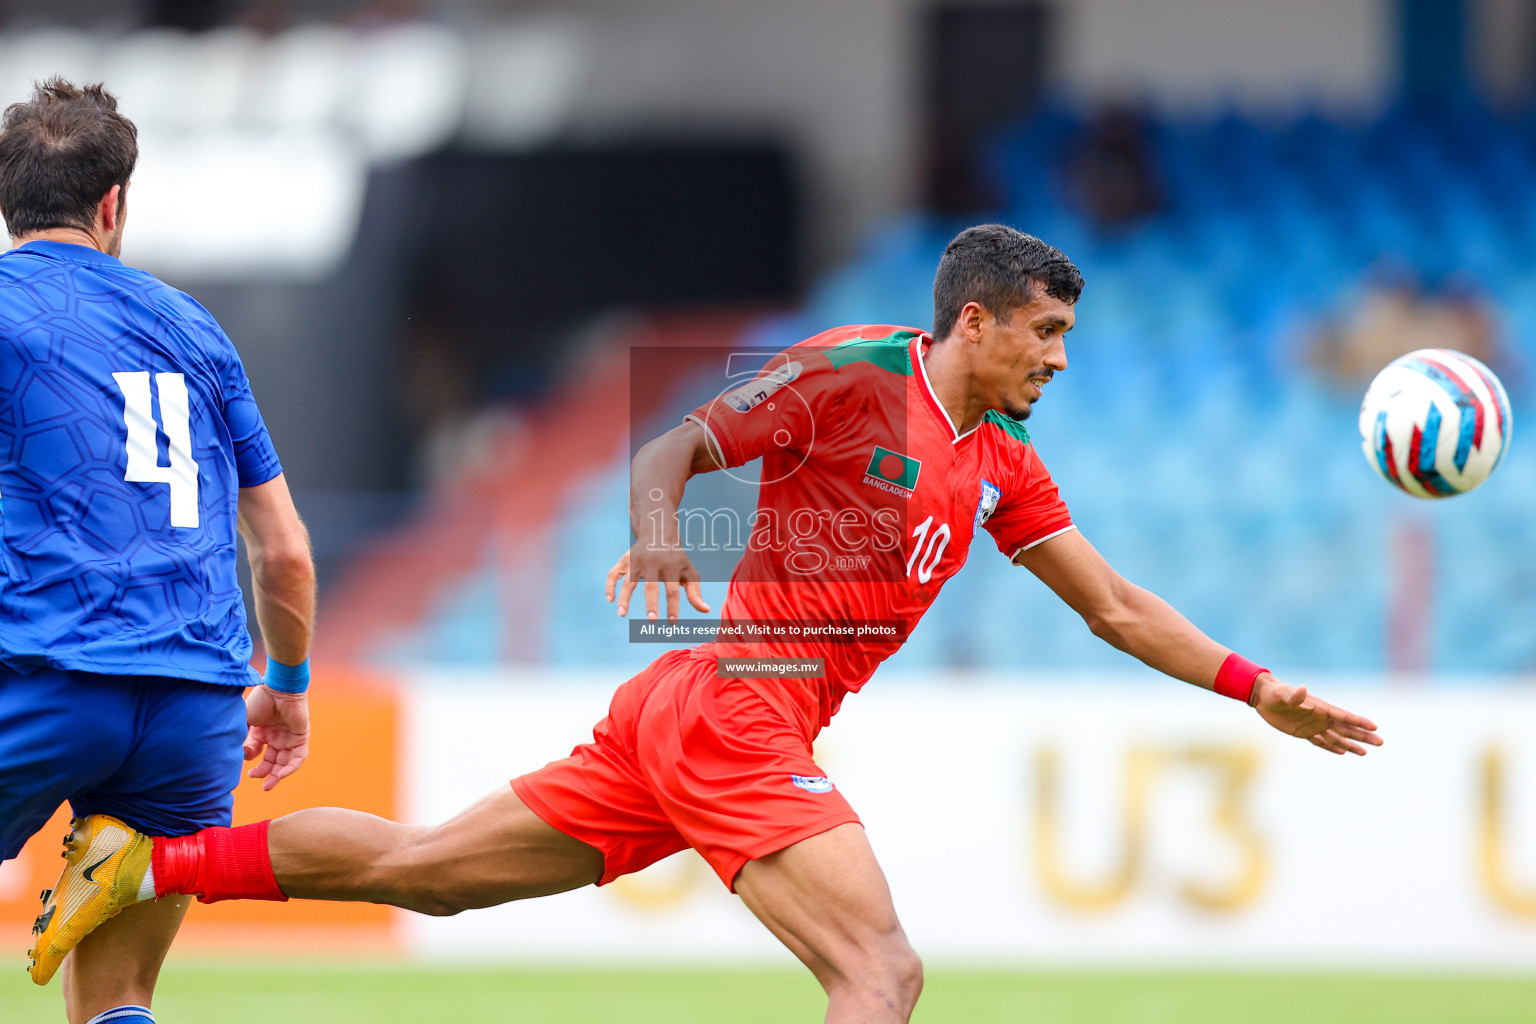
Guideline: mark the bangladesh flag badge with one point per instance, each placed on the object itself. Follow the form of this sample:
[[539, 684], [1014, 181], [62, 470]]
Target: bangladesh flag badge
[[892, 471]]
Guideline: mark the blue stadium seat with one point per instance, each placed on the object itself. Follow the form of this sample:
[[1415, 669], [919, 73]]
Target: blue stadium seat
[[1191, 438]]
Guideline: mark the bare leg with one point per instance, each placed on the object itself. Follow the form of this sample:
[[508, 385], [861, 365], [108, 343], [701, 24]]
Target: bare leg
[[827, 900], [496, 851], [118, 963]]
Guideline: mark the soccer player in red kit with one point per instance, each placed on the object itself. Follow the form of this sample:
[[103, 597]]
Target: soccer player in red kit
[[884, 450]]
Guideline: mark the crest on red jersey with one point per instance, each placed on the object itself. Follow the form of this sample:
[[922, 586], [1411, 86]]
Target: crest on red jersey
[[991, 494]]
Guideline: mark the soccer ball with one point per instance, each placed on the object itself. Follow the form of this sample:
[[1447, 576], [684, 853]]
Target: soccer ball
[[1435, 423]]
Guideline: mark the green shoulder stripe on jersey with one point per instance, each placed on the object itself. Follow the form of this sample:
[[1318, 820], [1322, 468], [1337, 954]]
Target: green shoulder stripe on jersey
[[889, 353], [1008, 425]]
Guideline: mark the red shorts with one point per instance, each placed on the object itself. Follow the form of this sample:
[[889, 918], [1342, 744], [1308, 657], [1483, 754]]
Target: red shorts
[[685, 759]]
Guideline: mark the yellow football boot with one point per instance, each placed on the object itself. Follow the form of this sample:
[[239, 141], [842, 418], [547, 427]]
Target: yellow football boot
[[106, 865]]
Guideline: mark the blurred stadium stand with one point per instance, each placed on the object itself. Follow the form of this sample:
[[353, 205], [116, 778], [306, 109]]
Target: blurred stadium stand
[[305, 112], [1199, 443], [1200, 436], [395, 220]]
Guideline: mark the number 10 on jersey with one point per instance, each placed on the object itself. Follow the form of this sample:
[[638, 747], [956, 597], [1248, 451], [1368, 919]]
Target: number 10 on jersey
[[143, 450], [930, 547]]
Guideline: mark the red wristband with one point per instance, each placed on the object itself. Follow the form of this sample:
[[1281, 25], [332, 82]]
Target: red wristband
[[1236, 677]]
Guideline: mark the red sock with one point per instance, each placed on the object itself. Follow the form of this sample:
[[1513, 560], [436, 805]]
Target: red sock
[[217, 864]]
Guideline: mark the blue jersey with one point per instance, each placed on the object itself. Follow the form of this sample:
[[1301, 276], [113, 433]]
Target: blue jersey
[[127, 428]]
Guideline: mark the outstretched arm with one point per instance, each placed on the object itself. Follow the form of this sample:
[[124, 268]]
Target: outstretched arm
[[1146, 627], [657, 476]]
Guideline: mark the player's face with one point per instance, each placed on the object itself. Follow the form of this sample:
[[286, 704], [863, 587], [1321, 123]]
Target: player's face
[[1017, 357]]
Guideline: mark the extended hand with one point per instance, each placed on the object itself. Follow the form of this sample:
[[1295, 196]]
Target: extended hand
[[279, 726], [670, 566], [1295, 712]]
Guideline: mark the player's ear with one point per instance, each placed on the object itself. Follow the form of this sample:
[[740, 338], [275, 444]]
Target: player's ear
[[972, 316], [110, 209]]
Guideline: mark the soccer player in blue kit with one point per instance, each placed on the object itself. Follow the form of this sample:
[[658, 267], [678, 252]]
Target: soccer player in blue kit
[[131, 453]]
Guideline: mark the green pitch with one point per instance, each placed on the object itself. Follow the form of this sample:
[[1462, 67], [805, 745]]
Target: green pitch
[[405, 994]]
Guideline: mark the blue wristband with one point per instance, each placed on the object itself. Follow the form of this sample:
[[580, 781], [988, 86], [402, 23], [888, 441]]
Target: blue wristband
[[286, 678]]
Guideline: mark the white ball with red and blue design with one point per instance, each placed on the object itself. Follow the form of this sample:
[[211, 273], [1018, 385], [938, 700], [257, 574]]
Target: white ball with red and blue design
[[1435, 423]]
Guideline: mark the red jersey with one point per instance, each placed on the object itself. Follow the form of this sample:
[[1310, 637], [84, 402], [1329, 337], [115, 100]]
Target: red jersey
[[868, 502]]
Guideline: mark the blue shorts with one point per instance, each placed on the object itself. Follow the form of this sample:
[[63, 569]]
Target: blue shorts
[[162, 754]]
